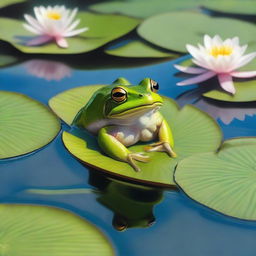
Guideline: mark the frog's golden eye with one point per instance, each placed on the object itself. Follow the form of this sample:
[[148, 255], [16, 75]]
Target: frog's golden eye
[[119, 94], [154, 86]]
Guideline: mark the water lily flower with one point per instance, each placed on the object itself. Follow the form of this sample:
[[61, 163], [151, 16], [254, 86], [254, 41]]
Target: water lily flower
[[53, 24], [218, 58]]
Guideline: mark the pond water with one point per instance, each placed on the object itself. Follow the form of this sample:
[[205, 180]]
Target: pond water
[[181, 227]]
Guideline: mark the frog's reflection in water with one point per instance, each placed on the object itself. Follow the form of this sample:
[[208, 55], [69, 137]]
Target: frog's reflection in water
[[132, 205]]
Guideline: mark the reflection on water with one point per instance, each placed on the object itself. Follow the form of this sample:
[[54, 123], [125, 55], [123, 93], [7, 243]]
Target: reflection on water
[[132, 205], [47, 69], [224, 111]]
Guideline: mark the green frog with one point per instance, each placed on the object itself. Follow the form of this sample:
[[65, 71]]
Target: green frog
[[122, 114]]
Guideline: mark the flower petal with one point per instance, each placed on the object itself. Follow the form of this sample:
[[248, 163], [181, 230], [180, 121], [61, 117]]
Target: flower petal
[[207, 41], [75, 32], [62, 42], [31, 29], [245, 74], [39, 40], [226, 83], [197, 79], [33, 22], [71, 17], [73, 25], [244, 60], [190, 70]]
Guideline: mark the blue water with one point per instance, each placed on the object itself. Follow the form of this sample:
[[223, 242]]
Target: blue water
[[182, 227]]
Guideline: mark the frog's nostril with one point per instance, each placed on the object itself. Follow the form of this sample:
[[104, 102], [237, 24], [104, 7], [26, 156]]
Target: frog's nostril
[[141, 95]]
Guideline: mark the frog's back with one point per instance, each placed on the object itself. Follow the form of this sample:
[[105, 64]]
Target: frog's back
[[93, 112]]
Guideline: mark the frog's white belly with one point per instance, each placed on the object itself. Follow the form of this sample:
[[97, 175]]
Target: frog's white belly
[[144, 129]]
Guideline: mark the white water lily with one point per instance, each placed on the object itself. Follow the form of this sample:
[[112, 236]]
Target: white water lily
[[218, 58], [53, 24]]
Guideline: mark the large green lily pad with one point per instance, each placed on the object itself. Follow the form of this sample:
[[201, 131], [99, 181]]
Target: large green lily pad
[[142, 8], [39, 230], [240, 141], [4, 3], [139, 49], [232, 6], [194, 132], [102, 29], [147, 8], [224, 181], [174, 30], [25, 125]]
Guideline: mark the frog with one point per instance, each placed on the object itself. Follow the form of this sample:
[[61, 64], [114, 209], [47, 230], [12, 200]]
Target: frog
[[122, 114]]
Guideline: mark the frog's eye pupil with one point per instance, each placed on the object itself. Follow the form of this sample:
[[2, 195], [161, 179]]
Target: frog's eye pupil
[[154, 86], [118, 94]]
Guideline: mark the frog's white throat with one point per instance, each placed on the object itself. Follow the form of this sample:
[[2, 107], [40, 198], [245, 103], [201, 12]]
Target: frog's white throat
[[137, 119]]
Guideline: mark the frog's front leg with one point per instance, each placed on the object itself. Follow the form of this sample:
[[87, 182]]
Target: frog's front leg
[[115, 149], [165, 143]]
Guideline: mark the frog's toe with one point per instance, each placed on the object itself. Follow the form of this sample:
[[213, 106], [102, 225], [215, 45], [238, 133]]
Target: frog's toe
[[139, 157], [161, 147]]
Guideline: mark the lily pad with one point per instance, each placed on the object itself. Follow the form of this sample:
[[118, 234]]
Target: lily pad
[[232, 6], [241, 141], [142, 8], [102, 29], [5, 3], [147, 8], [174, 30], [224, 181], [139, 49], [25, 125], [39, 230], [245, 92], [194, 132]]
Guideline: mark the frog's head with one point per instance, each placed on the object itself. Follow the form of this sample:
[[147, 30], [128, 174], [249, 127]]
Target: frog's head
[[127, 101]]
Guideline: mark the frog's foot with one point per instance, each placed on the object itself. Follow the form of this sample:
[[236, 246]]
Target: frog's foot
[[136, 156], [161, 147]]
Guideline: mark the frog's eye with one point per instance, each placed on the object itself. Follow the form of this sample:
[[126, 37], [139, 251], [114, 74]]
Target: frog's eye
[[119, 94], [154, 86]]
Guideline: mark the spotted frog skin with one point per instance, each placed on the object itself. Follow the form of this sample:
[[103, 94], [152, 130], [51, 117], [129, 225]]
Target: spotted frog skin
[[121, 114]]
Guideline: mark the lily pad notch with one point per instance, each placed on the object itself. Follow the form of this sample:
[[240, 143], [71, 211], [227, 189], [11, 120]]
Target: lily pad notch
[[223, 181]]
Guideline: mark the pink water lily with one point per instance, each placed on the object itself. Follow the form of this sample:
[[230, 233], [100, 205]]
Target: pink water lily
[[218, 58], [52, 24]]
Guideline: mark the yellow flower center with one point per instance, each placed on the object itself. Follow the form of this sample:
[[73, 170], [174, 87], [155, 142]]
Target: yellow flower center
[[221, 50], [54, 15]]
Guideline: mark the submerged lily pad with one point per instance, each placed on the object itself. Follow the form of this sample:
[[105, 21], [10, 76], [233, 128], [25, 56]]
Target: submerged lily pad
[[39, 230], [4, 3], [25, 125], [174, 30], [224, 181], [147, 8], [193, 130], [139, 49], [6, 60], [102, 29]]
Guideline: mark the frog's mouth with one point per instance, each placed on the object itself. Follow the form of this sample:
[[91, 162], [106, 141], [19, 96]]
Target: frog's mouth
[[137, 111]]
